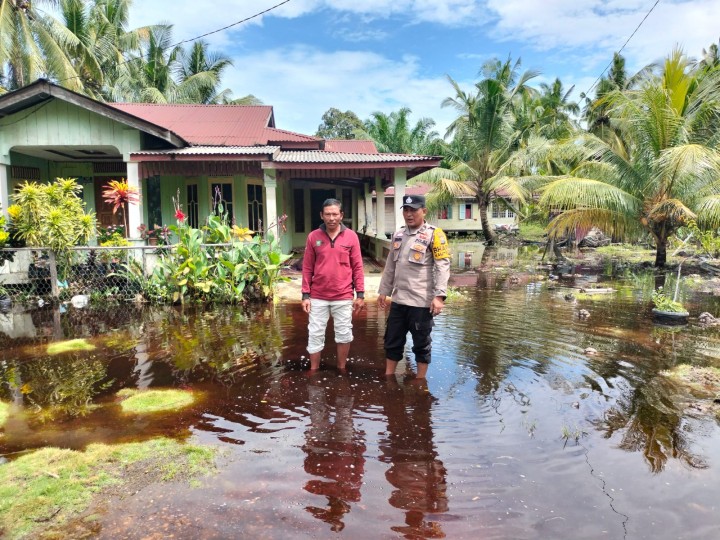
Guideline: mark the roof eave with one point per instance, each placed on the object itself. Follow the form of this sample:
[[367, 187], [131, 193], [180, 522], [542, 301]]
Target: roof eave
[[43, 90]]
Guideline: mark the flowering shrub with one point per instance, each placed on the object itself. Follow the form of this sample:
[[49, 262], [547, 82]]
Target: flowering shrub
[[217, 263], [106, 233]]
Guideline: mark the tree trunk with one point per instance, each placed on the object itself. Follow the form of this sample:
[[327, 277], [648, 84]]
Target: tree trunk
[[488, 233], [661, 239], [661, 252]]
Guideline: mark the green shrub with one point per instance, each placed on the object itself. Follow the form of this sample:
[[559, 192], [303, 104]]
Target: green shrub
[[664, 303]]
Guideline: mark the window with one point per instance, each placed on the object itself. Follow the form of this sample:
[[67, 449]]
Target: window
[[255, 206], [499, 210], [468, 210], [191, 192], [154, 202], [445, 212], [221, 192], [299, 210]]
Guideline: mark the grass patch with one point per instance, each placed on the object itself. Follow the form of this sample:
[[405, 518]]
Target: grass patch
[[703, 380], [60, 347], [532, 232], [42, 490], [150, 401], [4, 412]]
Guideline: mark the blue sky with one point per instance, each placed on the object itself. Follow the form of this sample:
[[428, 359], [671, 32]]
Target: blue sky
[[371, 55]]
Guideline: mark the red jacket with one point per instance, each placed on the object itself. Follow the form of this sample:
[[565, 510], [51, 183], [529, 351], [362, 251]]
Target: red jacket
[[332, 269]]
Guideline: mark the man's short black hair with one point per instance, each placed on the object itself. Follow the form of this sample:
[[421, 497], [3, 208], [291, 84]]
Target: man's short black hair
[[332, 202]]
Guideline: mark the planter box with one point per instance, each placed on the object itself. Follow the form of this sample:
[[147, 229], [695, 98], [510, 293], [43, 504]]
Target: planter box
[[670, 317]]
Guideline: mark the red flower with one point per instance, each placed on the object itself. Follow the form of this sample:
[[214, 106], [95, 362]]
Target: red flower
[[179, 215]]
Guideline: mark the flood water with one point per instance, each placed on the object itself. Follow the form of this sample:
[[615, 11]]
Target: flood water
[[518, 433]]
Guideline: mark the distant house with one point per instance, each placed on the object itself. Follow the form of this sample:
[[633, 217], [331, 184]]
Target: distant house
[[268, 178], [461, 217]]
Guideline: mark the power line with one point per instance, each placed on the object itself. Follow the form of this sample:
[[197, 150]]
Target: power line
[[234, 24], [624, 44], [246, 19]]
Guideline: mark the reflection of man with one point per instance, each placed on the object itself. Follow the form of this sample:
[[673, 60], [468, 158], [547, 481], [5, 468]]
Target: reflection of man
[[332, 270], [416, 275], [334, 451], [418, 476]]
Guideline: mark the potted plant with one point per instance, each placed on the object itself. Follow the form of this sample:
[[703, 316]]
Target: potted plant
[[149, 235], [162, 233], [668, 309]]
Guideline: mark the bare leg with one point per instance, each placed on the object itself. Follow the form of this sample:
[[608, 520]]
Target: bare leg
[[390, 366], [343, 349], [315, 361], [422, 368]]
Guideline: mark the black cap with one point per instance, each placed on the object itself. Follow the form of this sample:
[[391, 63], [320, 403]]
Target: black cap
[[413, 201]]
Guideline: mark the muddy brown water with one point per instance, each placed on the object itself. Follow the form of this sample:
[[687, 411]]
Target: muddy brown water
[[518, 433]]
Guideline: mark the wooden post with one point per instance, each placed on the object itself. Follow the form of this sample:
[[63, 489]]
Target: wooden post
[[54, 289]]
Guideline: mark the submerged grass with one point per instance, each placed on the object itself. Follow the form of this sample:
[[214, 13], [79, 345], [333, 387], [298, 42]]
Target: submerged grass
[[42, 490], [150, 401], [60, 347], [702, 380]]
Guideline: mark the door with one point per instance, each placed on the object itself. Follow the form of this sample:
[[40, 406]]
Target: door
[[317, 198], [103, 210]]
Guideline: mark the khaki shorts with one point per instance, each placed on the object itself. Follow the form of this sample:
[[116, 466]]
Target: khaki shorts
[[320, 312]]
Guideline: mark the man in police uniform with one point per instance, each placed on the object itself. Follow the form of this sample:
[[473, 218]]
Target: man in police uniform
[[416, 275]]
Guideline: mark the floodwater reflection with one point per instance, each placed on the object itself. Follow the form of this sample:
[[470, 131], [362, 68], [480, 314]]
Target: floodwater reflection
[[518, 433]]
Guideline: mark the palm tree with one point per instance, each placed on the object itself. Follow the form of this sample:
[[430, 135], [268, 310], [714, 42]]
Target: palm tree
[[28, 46], [393, 133], [484, 136], [201, 71], [98, 41], [664, 173], [557, 111]]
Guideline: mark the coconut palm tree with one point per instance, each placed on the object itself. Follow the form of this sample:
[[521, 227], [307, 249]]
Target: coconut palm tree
[[28, 46], [96, 38], [664, 173], [484, 136]]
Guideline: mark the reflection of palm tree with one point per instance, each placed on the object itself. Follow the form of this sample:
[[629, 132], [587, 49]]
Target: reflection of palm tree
[[334, 451], [416, 473]]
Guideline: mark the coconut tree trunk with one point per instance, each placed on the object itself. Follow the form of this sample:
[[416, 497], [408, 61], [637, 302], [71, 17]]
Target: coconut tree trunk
[[661, 253], [488, 233], [661, 240]]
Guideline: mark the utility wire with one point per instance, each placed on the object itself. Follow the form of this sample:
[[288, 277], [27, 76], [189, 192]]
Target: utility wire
[[624, 44], [246, 19]]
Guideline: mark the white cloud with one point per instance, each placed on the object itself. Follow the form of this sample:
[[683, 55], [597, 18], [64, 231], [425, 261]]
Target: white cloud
[[302, 83], [601, 25]]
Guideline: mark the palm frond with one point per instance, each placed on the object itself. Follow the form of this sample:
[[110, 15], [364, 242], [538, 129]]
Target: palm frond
[[611, 223], [568, 193]]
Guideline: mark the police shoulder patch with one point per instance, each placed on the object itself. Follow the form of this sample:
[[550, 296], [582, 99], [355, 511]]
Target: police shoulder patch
[[440, 246]]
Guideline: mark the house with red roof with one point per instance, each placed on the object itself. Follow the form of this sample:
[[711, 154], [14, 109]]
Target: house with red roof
[[460, 218], [268, 179]]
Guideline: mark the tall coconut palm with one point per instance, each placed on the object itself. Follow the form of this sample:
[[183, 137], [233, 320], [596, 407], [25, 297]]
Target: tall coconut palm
[[663, 175], [28, 45], [97, 39], [484, 136]]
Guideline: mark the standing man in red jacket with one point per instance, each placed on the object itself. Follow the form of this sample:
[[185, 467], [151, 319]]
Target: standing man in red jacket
[[332, 276]]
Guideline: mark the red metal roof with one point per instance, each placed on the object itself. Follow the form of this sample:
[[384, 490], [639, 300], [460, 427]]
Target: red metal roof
[[354, 146], [415, 189], [215, 125]]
